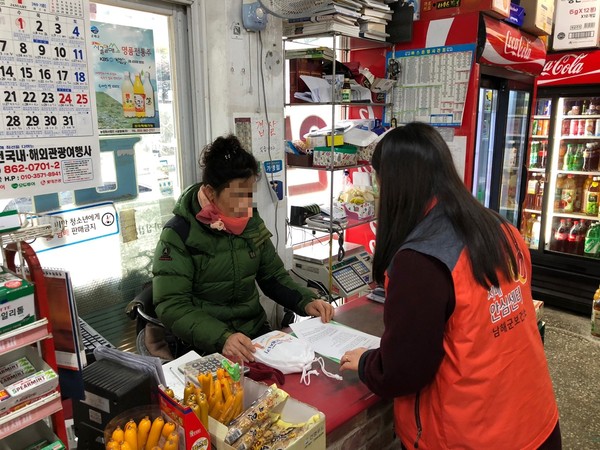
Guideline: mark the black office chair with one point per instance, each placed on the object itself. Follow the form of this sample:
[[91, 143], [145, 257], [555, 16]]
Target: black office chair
[[152, 338]]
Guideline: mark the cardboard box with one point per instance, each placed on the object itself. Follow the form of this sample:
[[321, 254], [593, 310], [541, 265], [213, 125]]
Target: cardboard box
[[41, 382], [196, 436], [517, 15], [17, 307], [576, 25], [539, 16], [345, 155], [9, 220], [291, 410], [299, 160], [440, 9]]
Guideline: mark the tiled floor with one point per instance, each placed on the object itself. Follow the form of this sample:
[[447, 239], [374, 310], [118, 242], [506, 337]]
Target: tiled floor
[[574, 362]]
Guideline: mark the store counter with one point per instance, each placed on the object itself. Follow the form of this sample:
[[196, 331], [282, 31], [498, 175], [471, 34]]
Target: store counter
[[353, 414]]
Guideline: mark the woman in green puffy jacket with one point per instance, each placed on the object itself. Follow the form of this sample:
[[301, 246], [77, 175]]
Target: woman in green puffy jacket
[[205, 285]]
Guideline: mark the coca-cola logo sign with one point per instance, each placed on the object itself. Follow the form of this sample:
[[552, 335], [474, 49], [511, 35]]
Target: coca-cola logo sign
[[517, 46], [570, 64]]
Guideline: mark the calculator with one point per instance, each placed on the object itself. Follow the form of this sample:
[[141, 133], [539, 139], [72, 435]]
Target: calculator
[[208, 363]]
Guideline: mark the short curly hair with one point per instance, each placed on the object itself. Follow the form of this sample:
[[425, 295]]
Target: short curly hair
[[224, 160]]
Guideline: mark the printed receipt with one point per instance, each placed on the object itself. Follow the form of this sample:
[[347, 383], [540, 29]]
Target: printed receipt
[[332, 339]]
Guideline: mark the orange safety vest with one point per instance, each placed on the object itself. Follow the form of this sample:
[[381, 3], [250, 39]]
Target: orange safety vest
[[492, 389]]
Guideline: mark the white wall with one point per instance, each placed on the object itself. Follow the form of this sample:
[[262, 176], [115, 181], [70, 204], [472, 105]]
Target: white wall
[[234, 88]]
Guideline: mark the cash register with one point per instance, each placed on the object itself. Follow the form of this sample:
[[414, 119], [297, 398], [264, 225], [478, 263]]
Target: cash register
[[351, 275]]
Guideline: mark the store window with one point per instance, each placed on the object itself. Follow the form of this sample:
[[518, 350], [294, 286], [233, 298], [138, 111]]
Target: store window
[[142, 174]]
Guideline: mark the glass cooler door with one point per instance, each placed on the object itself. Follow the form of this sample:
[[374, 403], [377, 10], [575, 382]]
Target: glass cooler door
[[535, 182], [484, 144], [574, 177], [514, 150]]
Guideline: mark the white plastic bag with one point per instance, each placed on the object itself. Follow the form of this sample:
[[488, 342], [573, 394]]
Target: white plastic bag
[[283, 351], [288, 354]]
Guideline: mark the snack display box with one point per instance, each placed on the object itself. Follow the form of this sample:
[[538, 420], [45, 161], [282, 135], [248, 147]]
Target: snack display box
[[291, 410], [35, 437], [17, 307], [22, 383]]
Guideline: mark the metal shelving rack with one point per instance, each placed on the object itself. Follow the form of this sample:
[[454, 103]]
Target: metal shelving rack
[[348, 44], [40, 332]]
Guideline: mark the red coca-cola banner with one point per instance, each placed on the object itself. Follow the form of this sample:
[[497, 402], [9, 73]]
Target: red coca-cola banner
[[510, 48], [568, 68]]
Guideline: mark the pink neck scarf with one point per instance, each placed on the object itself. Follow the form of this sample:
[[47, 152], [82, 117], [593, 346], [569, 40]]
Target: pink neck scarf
[[211, 215]]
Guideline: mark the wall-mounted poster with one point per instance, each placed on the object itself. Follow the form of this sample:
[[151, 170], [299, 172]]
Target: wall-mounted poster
[[433, 85], [125, 79], [48, 134]]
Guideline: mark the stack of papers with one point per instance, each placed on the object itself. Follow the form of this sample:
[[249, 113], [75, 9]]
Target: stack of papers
[[320, 91], [149, 364], [332, 339]]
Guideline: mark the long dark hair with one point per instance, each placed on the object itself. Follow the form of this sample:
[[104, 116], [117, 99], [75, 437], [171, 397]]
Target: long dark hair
[[415, 167], [224, 160]]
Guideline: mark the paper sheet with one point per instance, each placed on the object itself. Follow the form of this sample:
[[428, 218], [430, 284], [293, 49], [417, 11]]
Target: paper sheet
[[332, 339]]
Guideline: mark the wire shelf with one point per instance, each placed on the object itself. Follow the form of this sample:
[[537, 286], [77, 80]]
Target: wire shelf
[[32, 228]]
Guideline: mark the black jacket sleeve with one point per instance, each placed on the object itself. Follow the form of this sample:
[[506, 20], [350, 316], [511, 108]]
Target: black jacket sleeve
[[419, 300]]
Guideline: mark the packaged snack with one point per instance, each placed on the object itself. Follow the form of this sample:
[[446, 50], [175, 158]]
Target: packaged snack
[[281, 434], [257, 413], [247, 440]]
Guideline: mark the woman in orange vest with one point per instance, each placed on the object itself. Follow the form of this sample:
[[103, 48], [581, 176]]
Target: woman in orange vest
[[461, 352]]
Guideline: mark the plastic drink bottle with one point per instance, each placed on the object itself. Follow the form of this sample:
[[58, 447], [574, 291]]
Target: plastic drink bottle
[[535, 234], [596, 314], [573, 238], [591, 204], [560, 236], [139, 97], [149, 91], [567, 197], [127, 96], [532, 190], [560, 181], [585, 189], [592, 244]]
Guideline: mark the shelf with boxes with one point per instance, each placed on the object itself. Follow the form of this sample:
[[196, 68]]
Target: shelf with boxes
[[29, 390]]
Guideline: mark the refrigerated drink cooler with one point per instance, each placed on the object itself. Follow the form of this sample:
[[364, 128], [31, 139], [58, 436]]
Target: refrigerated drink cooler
[[559, 216]]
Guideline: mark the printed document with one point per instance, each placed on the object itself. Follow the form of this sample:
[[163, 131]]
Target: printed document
[[332, 339]]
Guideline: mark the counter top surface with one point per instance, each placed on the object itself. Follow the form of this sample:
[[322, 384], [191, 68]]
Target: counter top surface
[[340, 400]]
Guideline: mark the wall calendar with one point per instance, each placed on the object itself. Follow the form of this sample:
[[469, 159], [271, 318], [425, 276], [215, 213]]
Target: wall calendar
[[48, 127]]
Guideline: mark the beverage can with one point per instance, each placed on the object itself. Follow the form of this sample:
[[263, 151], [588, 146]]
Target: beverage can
[[590, 126], [573, 127], [545, 126], [546, 109], [566, 124], [533, 156], [581, 127]]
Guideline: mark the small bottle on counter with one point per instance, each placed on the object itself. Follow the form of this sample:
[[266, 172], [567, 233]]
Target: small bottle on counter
[[596, 314], [346, 91]]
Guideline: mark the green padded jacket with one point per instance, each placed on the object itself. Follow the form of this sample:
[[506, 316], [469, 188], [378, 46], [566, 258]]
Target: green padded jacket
[[204, 289]]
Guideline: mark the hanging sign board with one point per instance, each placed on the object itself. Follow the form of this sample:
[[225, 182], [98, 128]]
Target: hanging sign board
[[48, 132], [510, 48], [570, 68]]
